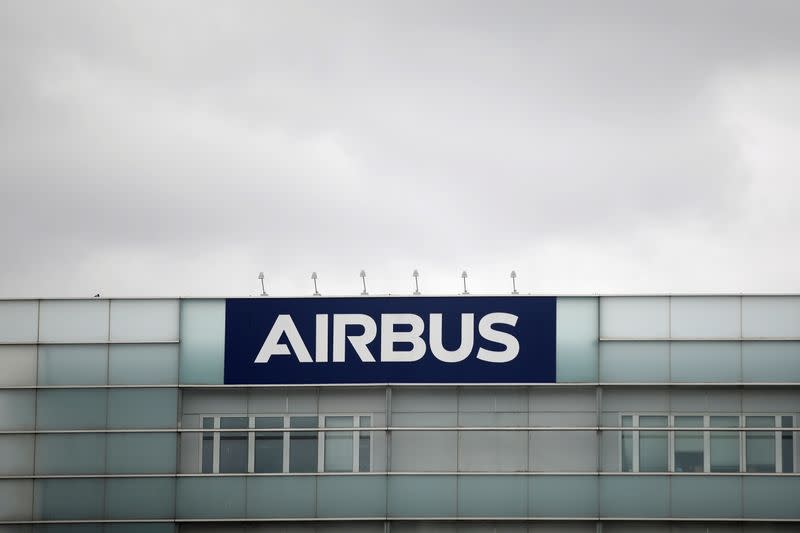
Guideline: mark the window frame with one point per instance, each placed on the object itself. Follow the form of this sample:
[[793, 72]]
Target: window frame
[[321, 430], [742, 438]]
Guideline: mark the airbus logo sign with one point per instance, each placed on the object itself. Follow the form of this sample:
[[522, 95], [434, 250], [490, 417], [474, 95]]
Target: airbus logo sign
[[390, 340]]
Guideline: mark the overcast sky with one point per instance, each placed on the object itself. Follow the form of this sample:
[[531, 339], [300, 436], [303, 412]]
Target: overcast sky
[[179, 148]]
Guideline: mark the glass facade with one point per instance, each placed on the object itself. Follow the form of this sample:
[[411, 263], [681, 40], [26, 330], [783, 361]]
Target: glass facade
[[668, 409]]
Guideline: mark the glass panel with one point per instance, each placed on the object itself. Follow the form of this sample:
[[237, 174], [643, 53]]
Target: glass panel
[[128, 499], [141, 453], [634, 362], [339, 445], [73, 365], [787, 445], [771, 361], [712, 361], [634, 317], [71, 409], [142, 408], [706, 496], [771, 497], [282, 497], [69, 499], [724, 444], [73, 321], [760, 445], [233, 445], [503, 496], [71, 454], [634, 496], [17, 409], [566, 496], [269, 445], [576, 339], [16, 455], [627, 445], [18, 364], [653, 445], [144, 320], [357, 496], [208, 446], [689, 444], [139, 527], [143, 364], [211, 497], [202, 349], [364, 445], [705, 316], [303, 445], [418, 496], [771, 316], [18, 321], [439, 446], [16, 498]]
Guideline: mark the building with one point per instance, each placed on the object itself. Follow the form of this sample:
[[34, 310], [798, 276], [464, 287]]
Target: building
[[520, 413]]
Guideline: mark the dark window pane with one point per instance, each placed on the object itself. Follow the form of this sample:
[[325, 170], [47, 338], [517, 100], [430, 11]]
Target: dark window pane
[[688, 445], [787, 445], [303, 445], [724, 444], [760, 445], [208, 446], [269, 445], [233, 445]]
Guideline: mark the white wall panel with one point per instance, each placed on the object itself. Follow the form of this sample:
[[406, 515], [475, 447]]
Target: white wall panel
[[771, 316], [73, 321], [705, 317], [19, 320], [144, 320], [634, 316]]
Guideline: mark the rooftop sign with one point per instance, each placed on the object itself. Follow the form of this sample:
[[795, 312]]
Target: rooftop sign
[[390, 340]]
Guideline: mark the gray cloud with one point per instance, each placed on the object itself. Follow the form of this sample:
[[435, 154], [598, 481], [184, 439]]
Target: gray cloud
[[152, 148]]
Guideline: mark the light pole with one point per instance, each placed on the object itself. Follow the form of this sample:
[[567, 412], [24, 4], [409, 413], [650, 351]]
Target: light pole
[[464, 277], [514, 282], [314, 277], [416, 282], [363, 282], [261, 277]]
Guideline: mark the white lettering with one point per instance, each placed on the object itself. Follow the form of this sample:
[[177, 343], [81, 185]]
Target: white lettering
[[322, 339], [389, 337], [500, 337], [359, 342], [283, 324], [467, 339]]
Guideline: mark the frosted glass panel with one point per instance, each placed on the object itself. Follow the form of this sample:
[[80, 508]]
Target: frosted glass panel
[[563, 496], [771, 316], [705, 316], [202, 341], [143, 364], [289, 496], [142, 528], [771, 361], [71, 454], [634, 361], [15, 499], [140, 498], [576, 339], [18, 364], [18, 322], [339, 445], [634, 317], [71, 409], [422, 496], [711, 361], [142, 408], [16, 455], [706, 497], [211, 497], [351, 496], [634, 496], [144, 320], [17, 409], [69, 499], [492, 496], [141, 453], [74, 321], [82, 364], [771, 497]]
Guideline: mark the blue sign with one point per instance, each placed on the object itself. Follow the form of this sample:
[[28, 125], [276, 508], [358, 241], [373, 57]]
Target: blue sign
[[390, 340]]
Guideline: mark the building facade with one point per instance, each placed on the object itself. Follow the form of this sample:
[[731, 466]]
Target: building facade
[[660, 413]]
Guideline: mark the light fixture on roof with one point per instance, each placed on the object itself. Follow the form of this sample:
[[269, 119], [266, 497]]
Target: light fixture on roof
[[416, 282], [363, 282], [314, 278], [464, 277], [261, 277], [514, 282]]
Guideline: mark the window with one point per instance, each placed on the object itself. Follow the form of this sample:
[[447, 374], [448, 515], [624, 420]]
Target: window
[[718, 445], [265, 446]]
